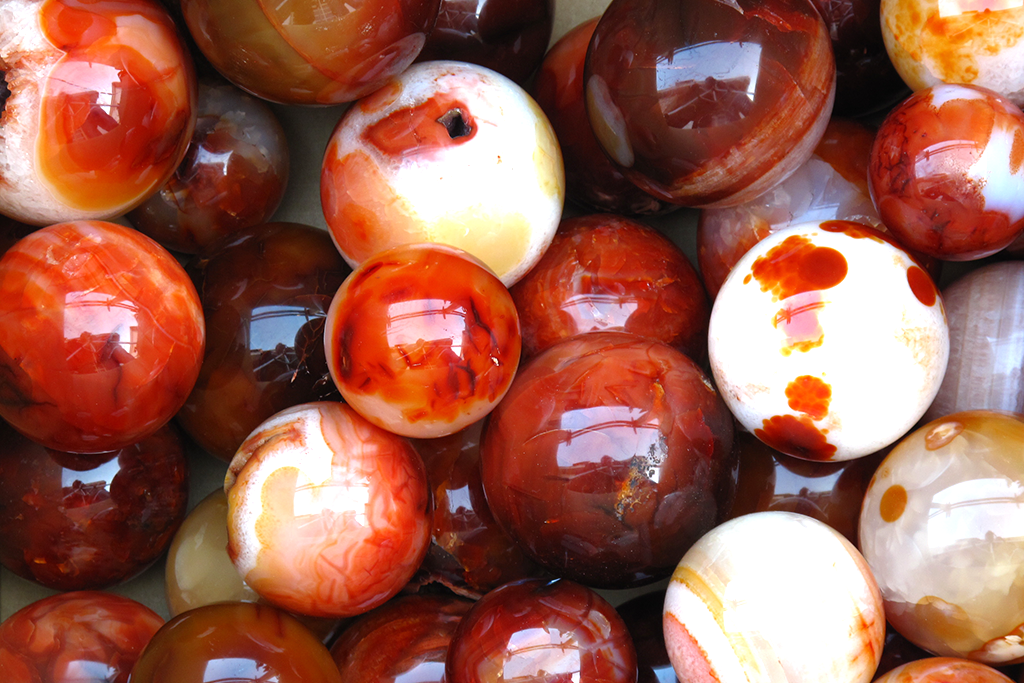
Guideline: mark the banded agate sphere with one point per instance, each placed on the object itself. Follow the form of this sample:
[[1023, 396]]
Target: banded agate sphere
[[706, 103], [942, 531], [98, 110], [794, 358]]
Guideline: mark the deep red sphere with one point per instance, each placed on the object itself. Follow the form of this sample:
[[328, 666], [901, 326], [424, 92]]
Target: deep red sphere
[[605, 272], [608, 458], [102, 336], [539, 630], [76, 637]]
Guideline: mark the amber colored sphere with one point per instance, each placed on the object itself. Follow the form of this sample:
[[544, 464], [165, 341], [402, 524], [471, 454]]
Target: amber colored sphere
[[77, 637], [233, 176], [423, 340], [606, 272], [405, 639], [99, 353], [608, 458], [509, 36], [469, 552], [943, 670], [305, 52], [591, 179], [81, 522], [707, 103], [265, 294], [541, 630], [234, 641]]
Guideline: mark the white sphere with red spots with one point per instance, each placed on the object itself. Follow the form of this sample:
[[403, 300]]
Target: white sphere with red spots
[[828, 341]]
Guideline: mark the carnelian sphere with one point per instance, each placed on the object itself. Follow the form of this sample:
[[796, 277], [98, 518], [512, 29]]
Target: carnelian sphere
[[102, 336], [101, 108], [328, 515], [422, 340]]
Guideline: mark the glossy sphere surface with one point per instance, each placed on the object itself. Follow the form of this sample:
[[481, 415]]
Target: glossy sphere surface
[[199, 571], [233, 176], [265, 294], [591, 179], [791, 353], [830, 492], [509, 36], [542, 631], [944, 504], [706, 103], [605, 272], [449, 153], [79, 637], [76, 522], [404, 640], [956, 41], [101, 107], [986, 342], [608, 458], [234, 641], [643, 619], [774, 596], [943, 670], [327, 514], [101, 352], [469, 552], [303, 52], [423, 340], [947, 172]]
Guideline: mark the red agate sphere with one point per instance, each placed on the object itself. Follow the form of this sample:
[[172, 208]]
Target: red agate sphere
[[100, 110], [102, 336]]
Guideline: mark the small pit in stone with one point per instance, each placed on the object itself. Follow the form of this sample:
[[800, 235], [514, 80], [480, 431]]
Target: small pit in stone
[[455, 123], [5, 92]]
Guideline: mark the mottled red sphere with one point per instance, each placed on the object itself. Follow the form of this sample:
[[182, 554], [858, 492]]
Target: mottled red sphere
[[591, 179], [405, 639], [100, 352], [78, 522], [423, 340], [606, 272], [707, 103], [608, 458], [77, 637], [541, 630], [235, 641]]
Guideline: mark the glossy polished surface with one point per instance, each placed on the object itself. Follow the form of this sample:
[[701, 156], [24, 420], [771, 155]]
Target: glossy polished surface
[[469, 552], [404, 640], [233, 177], [544, 632], [79, 637], [101, 352], [423, 340], [606, 272], [793, 358], [985, 309], [265, 295], [946, 172], [774, 597], [591, 179], [77, 522], [509, 36], [448, 153], [707, 103], [608, 458], [101, 107], [943, 670], [237, 642], [643, 619], [327, 514], [944, 504], [303, 52]]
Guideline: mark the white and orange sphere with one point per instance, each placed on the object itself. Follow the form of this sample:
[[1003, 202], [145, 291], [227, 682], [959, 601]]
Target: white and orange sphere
[[451, 153], [827, 341], [773, 597]]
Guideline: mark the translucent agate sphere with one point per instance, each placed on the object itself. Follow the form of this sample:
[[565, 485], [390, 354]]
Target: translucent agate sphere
[[943, 532]]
